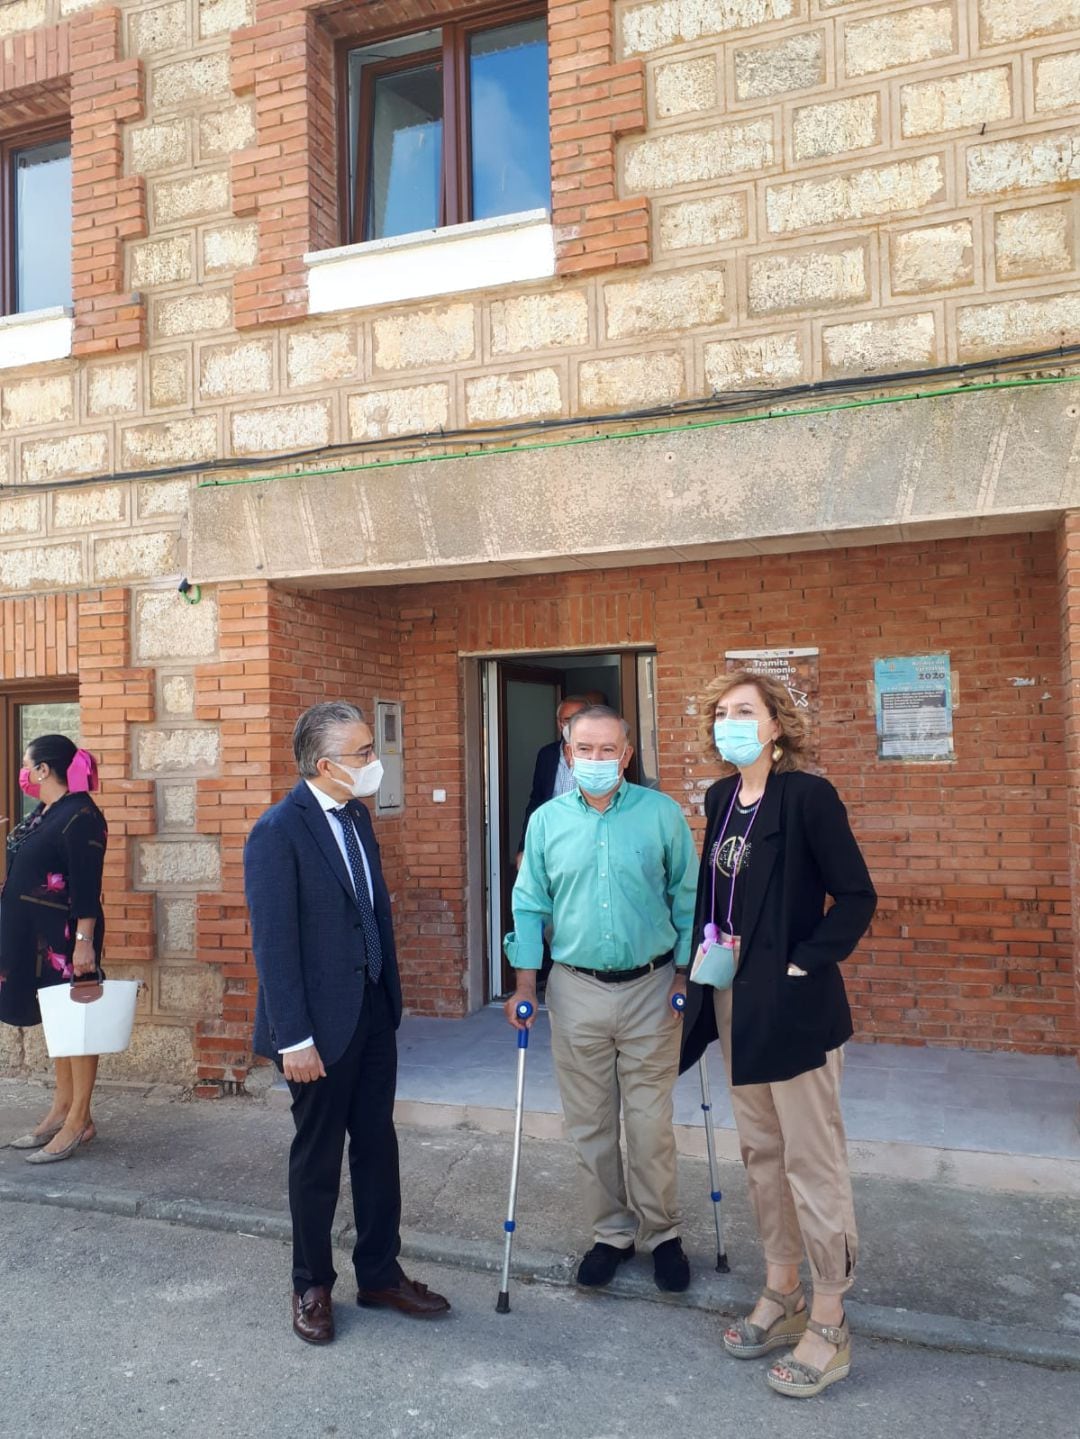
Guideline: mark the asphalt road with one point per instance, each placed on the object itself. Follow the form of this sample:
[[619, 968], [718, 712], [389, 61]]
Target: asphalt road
[[115, 1327]]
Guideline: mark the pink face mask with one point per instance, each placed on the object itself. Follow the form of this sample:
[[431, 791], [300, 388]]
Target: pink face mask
[[27, 785]]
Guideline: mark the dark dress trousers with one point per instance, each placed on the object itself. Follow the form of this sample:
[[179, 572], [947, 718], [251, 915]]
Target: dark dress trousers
[[803, 851], [543, 783], [307, 937]]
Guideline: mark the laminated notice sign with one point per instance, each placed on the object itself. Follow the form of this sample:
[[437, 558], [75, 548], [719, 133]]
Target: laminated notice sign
[[913, 707]]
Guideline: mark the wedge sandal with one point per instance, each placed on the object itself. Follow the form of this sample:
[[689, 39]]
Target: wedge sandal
[[754, 1340], [806, 1381]]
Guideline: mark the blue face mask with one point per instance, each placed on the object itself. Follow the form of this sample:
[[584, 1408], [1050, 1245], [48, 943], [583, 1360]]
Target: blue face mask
[[737, 741], [596, 776]]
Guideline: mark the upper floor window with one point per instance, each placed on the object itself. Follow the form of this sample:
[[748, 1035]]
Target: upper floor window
[[35, 222], [448, 125]]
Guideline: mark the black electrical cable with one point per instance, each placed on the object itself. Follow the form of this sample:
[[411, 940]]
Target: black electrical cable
[[718, 403]]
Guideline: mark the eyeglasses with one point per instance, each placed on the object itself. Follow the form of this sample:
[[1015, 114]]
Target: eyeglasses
[[367, 754]]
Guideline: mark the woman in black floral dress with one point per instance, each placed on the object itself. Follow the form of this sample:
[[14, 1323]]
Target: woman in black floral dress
[[51, 922]]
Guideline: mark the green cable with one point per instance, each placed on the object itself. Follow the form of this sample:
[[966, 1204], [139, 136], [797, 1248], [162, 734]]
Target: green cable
[[648, 433]]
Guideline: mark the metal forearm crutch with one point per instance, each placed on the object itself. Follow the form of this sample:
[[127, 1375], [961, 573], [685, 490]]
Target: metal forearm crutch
[[678, 1003], [524, 1012]]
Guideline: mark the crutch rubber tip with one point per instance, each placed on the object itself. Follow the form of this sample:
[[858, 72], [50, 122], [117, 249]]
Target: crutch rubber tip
[[722, 1266], [502, 1304]]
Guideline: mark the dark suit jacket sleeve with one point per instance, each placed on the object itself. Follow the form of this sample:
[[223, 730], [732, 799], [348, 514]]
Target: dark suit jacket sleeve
[[272, 889], [543, 782], [846, 878]]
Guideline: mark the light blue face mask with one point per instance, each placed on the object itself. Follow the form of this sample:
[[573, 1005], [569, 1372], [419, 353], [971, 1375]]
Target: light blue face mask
[[596, 776], [737, 741]]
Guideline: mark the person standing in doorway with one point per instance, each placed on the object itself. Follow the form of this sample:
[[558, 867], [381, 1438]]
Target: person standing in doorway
[[610, 867], [784, 897], [551, 773], [328, 1007]]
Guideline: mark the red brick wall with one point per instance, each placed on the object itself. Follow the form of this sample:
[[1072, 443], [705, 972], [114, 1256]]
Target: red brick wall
[[1068, 556], [113, 696], [972, 943], [39, 637], [281, 651], [88, 636], [595, 100]]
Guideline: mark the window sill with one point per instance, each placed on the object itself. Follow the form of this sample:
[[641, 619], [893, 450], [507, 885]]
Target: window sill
[[509, 250], [36, 336]]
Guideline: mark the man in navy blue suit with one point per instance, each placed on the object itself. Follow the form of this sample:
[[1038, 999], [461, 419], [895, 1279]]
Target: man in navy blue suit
[[328, 1008]]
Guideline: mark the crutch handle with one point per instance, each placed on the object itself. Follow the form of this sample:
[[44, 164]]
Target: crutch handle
[[678, 1003], [524, 1010]]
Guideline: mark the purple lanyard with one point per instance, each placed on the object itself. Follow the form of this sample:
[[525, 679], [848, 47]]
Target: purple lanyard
[[711, 932]]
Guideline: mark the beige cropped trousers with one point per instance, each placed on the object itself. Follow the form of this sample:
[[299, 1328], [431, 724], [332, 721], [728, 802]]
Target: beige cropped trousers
[[791, 1136], [616, 1046]]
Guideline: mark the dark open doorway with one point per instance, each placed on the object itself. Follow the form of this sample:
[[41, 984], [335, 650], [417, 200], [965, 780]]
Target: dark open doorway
[[521, 695]]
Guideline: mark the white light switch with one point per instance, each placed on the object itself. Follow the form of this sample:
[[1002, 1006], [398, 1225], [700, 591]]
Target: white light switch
[[438, 796]]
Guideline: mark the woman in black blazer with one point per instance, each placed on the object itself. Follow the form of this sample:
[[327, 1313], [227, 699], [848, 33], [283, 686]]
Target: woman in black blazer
[[766, 981]]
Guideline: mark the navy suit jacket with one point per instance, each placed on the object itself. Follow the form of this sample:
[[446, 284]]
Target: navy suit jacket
[[543, 783], [305, 927]]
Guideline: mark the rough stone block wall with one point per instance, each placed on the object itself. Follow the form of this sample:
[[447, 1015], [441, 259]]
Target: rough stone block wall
[[747, 196], [134, 719]]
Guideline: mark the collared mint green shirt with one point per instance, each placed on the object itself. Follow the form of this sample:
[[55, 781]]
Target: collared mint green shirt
[[617, 886]]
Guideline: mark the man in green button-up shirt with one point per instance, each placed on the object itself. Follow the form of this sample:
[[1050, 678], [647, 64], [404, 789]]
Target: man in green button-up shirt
[[611, 867]]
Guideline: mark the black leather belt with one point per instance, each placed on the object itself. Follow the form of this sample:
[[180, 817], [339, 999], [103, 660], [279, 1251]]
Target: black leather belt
[[622, 976]]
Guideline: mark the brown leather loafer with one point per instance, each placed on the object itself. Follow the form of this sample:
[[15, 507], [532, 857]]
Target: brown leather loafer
[[313, 1315], [408, 1296]]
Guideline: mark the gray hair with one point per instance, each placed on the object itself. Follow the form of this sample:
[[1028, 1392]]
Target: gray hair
[[318, 733], [596, 712]]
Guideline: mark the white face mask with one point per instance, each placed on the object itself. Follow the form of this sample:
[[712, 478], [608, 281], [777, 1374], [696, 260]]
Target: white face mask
[[362, 782]]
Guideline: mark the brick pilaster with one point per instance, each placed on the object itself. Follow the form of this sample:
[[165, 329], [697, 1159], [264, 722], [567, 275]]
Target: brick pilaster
[[76, 70], [240, 694], [108, 207], [594, 102], [113, 696]]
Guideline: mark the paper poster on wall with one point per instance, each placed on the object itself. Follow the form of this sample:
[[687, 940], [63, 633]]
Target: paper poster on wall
[[797, 671], [913, 707]]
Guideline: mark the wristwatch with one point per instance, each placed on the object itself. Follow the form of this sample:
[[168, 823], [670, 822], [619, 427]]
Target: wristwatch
[[84, 938]]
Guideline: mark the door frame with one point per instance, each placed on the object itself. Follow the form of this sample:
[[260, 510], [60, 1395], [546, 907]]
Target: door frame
[[484, 801]]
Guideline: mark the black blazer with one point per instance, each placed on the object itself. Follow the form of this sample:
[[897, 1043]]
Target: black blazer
[[305, 927], [803, 850], [543, 782]]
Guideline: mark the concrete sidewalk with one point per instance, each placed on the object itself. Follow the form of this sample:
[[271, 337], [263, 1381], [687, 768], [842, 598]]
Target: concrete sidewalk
[[989, 1120], [993, 1269]]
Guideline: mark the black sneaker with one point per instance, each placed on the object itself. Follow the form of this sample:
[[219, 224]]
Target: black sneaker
[[600, 1263], [671, 1268]]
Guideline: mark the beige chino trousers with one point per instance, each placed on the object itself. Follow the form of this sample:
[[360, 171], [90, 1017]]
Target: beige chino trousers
[[791, 1137], [612, 1043]]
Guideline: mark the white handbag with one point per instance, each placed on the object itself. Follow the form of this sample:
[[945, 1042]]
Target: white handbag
[[96, 1023]]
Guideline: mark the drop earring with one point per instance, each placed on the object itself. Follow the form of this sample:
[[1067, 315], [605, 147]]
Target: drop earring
[[777, 754]]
